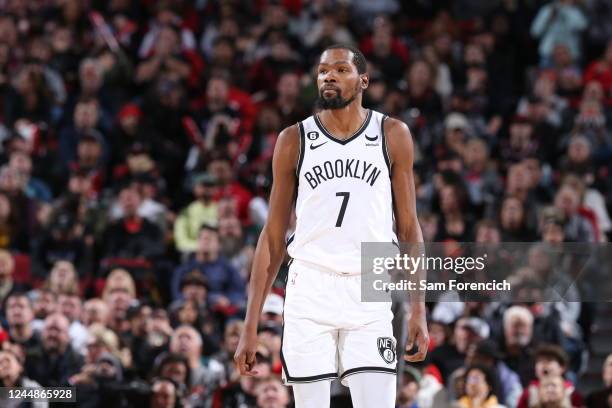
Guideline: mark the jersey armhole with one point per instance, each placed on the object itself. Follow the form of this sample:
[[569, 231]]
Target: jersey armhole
[[302, 150], [385, 150]]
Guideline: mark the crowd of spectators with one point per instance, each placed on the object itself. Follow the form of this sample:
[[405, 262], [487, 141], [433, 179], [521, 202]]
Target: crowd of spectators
[[135, 145]]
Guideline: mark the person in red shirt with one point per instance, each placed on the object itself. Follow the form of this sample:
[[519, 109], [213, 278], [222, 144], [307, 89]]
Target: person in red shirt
[[601, 71], [220, 166], [550, 362]]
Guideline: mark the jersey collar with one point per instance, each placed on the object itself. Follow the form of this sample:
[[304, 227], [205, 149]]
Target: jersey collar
[[359, 131]]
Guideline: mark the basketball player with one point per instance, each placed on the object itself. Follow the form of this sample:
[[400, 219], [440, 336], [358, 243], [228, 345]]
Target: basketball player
[[351, 168]]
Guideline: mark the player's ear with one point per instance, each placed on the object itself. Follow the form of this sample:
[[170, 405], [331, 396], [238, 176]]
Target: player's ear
[[365, 81]]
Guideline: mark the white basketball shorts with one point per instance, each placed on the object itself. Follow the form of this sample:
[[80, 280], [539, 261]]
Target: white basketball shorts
[[328, 332]]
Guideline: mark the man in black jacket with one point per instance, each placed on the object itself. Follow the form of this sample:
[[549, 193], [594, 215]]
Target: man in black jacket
[[54, 361]]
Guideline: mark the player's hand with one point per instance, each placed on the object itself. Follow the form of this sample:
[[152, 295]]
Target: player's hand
[[245, 354], [417, 335]]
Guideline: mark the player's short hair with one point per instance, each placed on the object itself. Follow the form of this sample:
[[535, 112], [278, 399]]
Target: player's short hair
[[358, 58]]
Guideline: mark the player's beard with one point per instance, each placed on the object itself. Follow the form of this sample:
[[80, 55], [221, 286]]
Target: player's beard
[[336, 102]]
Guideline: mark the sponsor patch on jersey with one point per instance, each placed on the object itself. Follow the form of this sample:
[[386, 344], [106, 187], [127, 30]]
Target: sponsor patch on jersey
[[371, 139], [314, 135], [386, 349]]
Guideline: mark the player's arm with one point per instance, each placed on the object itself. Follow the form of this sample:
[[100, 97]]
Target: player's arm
[[401, 156], [270, 250]]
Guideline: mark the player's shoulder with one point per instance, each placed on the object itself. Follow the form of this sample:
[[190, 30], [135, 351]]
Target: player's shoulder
[[397, 138], [287, 148], [394, 126], [289, 136]]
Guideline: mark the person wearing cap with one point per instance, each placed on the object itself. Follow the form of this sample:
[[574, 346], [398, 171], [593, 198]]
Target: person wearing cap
[[272, 310], [203, 210], [456, 130], [409, 388], [194, 287], [127, 130], [101, 384], [138, 339]]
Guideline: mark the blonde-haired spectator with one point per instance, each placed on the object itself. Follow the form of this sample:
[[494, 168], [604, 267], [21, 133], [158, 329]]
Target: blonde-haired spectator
[[100, 340], [119, 291], [7, 268], [602, 396], [63, 278]]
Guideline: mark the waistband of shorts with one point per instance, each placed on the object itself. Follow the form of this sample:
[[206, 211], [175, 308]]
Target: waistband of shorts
[[322, 269]]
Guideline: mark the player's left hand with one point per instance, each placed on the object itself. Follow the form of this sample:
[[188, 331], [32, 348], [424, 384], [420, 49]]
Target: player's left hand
[[417, 335]]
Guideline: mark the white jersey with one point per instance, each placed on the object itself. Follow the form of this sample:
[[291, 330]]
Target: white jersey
[[344, 195]]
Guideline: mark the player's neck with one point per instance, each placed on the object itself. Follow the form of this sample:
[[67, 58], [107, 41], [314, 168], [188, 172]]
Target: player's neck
[[343, 122]]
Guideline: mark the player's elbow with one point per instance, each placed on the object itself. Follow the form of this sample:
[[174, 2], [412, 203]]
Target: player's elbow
[[274, 243]]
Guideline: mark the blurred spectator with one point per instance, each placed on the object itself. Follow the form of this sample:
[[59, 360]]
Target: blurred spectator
[[12, 375], [601, 71], [601, 397], [54, 361], [95, 311], [7, 283], [175, 367], [552, 392], [487, 354], [577, 227], [164, 394], [132, 237], [271, 393], [19, 316], [100, 340], [100, 384], [451, 355], [226, 286], [137, 340], [70, 306], [480, 389], [119, 292], [517, 342], [409, 388], [558, 22], [513, 221], [205, 375], [62, 278], [201, 211], [13, 234], [550, 362], [60, 241]]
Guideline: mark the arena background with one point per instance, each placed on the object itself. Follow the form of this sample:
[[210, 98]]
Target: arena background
[[127, 125]]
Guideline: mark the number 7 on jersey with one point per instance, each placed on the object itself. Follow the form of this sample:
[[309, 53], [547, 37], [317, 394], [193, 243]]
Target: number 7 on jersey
[[345, 197]]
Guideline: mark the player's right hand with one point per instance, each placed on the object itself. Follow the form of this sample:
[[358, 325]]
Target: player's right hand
[[245, 354]]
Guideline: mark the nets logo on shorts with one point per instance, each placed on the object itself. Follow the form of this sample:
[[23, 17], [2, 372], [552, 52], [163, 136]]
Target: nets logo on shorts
[[386, 348]]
